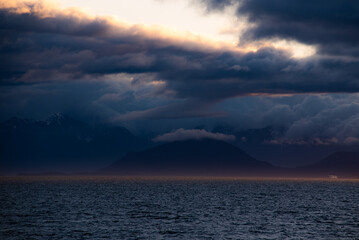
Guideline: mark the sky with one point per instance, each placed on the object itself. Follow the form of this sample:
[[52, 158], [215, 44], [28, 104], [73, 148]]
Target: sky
[[168, 67]]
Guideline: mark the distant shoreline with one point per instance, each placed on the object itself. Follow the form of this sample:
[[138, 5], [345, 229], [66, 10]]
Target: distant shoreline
[[167, 178]]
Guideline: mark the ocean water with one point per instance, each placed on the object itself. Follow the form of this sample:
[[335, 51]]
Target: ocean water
[[179, 209]]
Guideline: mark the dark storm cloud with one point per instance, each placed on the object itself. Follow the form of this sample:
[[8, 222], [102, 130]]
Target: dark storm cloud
[[60, 47], [190, 108], [54, 46], [331, 25]]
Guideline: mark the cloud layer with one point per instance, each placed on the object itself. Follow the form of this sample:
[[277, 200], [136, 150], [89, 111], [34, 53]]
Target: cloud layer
[[189, 134], [46, 45], [55, 60]]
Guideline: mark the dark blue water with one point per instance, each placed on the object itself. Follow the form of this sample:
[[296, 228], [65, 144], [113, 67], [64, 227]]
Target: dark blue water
[[179, 210]]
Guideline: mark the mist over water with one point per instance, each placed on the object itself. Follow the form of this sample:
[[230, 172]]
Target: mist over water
[[98, 209]]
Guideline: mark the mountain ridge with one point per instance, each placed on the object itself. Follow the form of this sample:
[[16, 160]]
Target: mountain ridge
[[341, 164], [62, 142], [61, 139], [229, 160], [205, 156]]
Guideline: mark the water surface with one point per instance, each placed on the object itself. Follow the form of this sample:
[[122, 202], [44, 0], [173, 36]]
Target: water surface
[[178, 209]]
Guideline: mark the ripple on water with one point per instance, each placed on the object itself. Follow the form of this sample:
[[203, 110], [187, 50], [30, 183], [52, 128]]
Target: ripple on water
[[179, 210]]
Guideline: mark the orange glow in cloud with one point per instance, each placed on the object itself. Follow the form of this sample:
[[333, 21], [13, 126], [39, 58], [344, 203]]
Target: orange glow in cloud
[[46, 9], [185, 39]]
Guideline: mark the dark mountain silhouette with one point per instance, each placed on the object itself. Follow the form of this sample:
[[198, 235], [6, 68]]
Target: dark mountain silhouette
[[62, 141], [341, 164], [213, 157], [28, 145], [197, 157]]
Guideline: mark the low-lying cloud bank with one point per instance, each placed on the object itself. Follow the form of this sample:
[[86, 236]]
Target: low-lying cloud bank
[[315, 141], [189, 134]]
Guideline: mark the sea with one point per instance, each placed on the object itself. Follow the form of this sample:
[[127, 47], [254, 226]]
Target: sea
[[180, 208]]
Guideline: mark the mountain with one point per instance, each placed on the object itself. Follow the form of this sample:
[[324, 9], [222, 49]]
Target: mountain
[[193, 157], [341, 164], [60, 143], [265, 144]]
